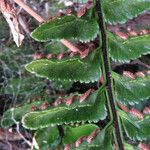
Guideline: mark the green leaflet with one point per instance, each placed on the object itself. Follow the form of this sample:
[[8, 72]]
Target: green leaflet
[[130, 118], [119, 11], [126, 50], [72, 69], [103, 141], [131, 91], [15, 114], [71, 134], [135, 129], [143, 133], [67, 27], [46, 138], [60, 115]]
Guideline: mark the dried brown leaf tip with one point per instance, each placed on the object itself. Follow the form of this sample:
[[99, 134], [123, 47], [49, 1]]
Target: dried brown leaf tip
[[140, 74], [61, 56], [79, 141], [129, 74], [143, 32], [122, 35], [146, 110], [136, 113], [92, 135], [85, 95], [44, 106], [102, 79], [148, 72], [66, 147], [72, 54], [58, 101], [115, 146], [33, 108], [123, 107], [70, 100], [81, 11], [39, 55], [69, 11], [143, 146], [11, 17], [84, 53], [133, 33], [82, 139], [51, 55]]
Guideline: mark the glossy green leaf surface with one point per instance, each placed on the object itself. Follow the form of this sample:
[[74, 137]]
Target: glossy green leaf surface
[[71, 69], [46, 138], [15, 114], [60, 115], [67, 27], [130, 49], [71, 134], [119, 11], [131, 91]]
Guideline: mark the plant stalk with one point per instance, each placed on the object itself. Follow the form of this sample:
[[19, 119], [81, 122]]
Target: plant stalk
[[107, 70]]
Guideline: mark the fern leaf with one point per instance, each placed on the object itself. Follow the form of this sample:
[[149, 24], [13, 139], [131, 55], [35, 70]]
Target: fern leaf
[[103, 140], [131, 91], [47, 138], [136, 129], [67, 27], [60, 115], [72, 69], [71, 134], [119, 11], [126, 50]]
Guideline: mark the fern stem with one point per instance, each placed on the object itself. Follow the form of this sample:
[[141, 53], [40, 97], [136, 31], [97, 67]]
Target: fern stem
[[108, 74]]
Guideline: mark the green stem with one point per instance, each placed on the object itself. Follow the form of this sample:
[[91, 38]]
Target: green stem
[[107, 70]]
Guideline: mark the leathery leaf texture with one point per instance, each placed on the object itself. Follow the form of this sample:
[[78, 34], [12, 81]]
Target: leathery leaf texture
[[67, 27], [136, 129], [63, 114], [130, 49], [119, 11], [103, 140], [131, 91], [71, 69]]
